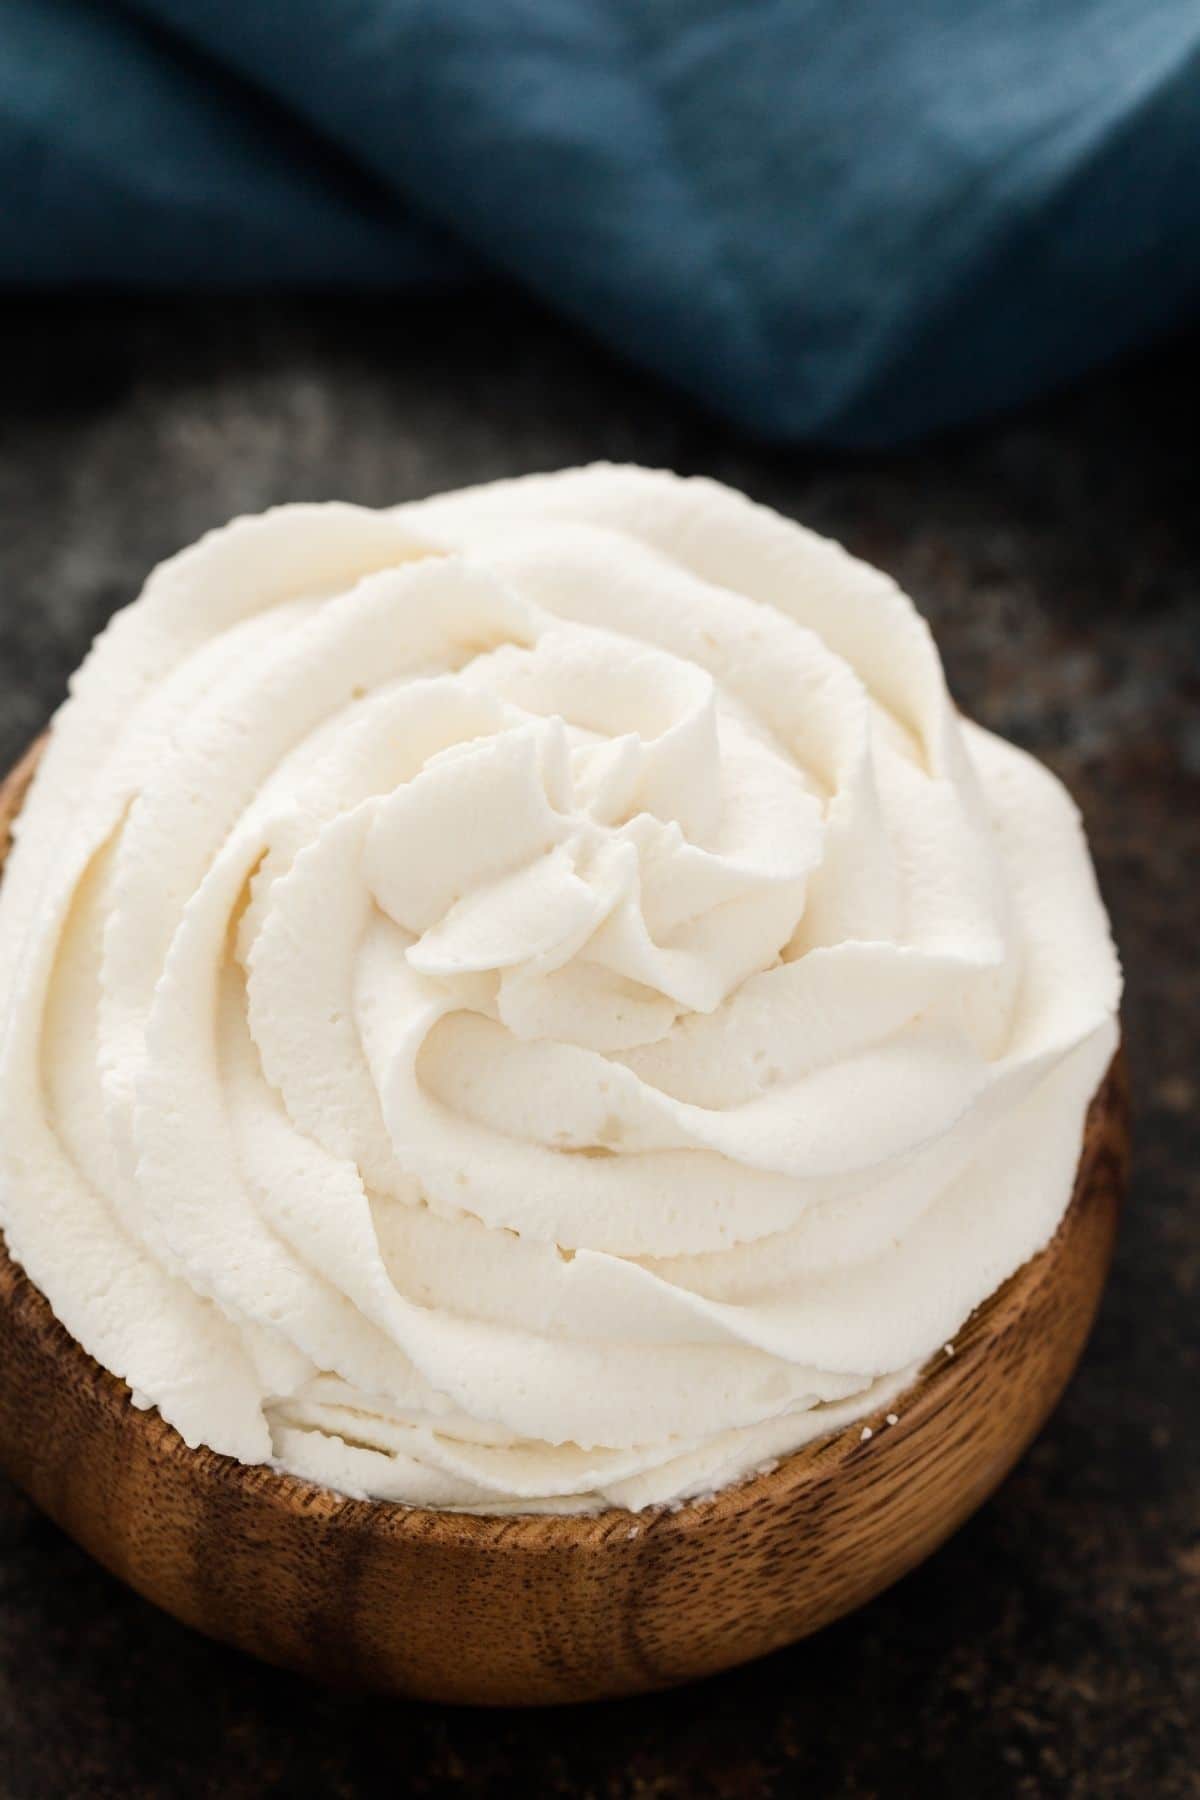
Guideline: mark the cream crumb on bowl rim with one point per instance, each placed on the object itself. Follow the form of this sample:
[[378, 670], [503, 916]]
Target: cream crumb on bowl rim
[[534, 1000]]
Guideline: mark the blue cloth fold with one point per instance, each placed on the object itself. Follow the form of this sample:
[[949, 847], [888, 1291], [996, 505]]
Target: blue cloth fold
[[853, 223]]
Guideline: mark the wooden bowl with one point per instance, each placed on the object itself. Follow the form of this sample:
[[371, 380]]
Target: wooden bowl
[[539, 1609]]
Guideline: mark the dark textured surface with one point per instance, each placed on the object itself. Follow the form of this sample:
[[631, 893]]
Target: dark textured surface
[[1052, 1648]]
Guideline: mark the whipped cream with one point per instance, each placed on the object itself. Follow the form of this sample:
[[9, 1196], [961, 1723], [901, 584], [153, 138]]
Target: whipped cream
[[534, 1000]]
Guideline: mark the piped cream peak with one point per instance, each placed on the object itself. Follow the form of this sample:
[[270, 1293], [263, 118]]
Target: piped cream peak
[[534, 1000]]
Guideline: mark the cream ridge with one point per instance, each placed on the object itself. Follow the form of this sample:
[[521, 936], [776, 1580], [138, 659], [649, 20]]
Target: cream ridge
[[534, 1000]]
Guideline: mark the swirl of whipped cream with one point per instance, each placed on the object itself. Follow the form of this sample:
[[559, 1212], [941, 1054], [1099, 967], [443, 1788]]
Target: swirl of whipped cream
[[534, 1000]]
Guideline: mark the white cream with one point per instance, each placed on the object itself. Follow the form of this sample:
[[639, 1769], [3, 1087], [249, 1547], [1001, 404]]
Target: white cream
[[534, 1000]]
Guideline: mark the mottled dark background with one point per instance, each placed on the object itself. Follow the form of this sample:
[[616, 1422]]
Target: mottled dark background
[[1052, 1648]]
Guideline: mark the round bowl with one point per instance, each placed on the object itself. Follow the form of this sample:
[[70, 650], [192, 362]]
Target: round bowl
[[537, 1609]]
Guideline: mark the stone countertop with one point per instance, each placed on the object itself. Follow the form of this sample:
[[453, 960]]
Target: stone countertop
[[1052, 1647]]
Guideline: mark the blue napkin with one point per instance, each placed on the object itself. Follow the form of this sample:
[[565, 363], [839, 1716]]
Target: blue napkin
[[846, 220]]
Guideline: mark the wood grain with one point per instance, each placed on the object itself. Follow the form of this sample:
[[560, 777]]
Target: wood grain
[[533, 1610]]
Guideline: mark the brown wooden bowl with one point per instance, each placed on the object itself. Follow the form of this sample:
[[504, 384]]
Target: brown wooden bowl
[[537, 1609]]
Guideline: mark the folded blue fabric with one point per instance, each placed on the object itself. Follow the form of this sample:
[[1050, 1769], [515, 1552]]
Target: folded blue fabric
[[847, 221]]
